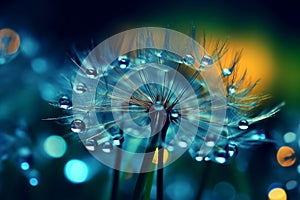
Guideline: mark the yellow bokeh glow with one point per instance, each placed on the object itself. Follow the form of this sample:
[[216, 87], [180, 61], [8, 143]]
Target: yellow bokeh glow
[[155, 157], [277, 194]]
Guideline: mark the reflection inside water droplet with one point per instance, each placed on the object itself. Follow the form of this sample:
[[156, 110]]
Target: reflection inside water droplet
[[77, 126], [65, 103], [206, 61], [123, 62], [107, 147], [188, 60], [243, 124], [79, 88]]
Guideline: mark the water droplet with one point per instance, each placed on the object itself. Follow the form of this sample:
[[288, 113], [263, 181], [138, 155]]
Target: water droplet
[[157, 106], [65, 103], [183, 143], [188, 60], [226, 72], [91, 144], [206, 61], [79, 88], [174, 114], [231, 90], [220, 156], [198, 156], [9, 45], [170, 146], [207, 158], [118, 139], [243, 124], [91, 73], [77, 126], [210, 143], [123, 62], [107, 147], [231, 150]]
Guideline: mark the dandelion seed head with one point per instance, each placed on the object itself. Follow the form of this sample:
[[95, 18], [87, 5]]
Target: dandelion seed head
[[138, 83]]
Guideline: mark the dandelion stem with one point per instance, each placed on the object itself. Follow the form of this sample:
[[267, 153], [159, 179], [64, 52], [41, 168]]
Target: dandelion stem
[[116, 173], [160, 166]]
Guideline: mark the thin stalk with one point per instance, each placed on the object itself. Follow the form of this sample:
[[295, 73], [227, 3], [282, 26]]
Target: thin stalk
[[160, 165], [159, 126], [116, 173]]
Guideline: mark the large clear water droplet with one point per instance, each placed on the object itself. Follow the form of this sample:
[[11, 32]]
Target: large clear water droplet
[[221, 156], [188, 60], [65, 103], [117, 140], [77, 126], [123, 62], [243, 124], [91, 144], [226, 72], [206, 61], [231, 149], [107, 147], [92, 73], [79, 88]]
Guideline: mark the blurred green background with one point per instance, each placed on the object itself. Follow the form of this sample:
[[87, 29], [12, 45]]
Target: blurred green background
[[268, 31]]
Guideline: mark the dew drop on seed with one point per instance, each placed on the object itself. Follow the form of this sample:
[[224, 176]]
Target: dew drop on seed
[[91, 144], [198, 156], [206, 61], [226, 72], [91, 73], [221, 156], [188, 60], [117, 140], [182, 143], [79, 88], [210, 143], [157, 106], [107, 147], [207, 158], [231, 90], [77, 126], [65, 103], [243, 124], [174, 114], [231, 150], [170, 146], [123, 62]]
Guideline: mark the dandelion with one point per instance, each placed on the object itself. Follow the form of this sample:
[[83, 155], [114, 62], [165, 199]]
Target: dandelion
[[152, 94]]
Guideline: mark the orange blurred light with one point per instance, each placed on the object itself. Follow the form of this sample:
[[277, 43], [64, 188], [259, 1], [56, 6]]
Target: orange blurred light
[[256, 58], [9, 41], [286, 156]]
